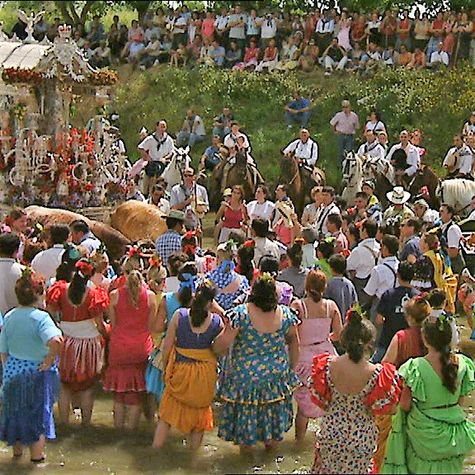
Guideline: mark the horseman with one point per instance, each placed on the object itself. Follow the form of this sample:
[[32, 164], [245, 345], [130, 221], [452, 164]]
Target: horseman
[[305, 150], [405, 158], [238, 145], [459, 160], [155, 149], [371, 150]]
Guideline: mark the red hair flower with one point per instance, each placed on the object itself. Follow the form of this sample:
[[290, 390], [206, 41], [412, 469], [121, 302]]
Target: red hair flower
[[132, 251], [85, 267], [189, 235], [249, 244], [155, 261]]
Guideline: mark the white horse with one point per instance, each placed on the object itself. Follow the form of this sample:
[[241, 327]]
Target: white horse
[[352, 177], [178, 163], [374, 168], [458, 193]]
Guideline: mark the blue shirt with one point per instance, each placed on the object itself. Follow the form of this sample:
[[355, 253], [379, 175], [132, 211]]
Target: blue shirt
[[167, 244], [299, 104], [26, 332]]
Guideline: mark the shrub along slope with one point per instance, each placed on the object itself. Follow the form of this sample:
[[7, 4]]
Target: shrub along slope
[[436, 103]]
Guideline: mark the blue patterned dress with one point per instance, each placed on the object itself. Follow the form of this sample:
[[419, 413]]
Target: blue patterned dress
[[153, 373], [222, 279], [257, 386]]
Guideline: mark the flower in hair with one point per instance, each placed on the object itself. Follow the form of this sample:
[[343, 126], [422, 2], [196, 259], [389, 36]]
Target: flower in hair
[[422, 297], [189, 235], [133, 251], [330, 239], [440, 318], [267, 277], [155, 261], [356, 309], [35, 279], [85, 268], [249, 244]]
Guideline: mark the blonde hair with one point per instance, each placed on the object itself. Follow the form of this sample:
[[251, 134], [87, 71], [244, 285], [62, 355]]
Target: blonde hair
[[133, 285]]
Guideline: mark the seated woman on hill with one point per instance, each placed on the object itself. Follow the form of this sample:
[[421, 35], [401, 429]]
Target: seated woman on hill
[[269, 61]]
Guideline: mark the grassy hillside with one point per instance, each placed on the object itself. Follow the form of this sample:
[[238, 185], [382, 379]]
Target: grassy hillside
[[437, 103]]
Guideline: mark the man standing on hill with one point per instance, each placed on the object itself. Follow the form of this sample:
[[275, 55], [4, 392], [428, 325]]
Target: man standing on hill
[[345, 124]]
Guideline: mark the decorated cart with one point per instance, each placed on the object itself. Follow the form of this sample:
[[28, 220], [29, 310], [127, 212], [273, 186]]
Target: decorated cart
[[43, 159]]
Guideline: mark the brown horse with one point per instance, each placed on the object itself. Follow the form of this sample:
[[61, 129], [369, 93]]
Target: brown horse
[[299, 181], [425, 177], [239, 173]]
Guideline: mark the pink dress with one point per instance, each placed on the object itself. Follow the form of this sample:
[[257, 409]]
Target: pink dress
[[130, 345], [344, 35], [314, 336]]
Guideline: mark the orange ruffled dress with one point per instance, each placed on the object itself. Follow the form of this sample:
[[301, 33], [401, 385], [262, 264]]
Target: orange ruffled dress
[[348, 434], [82, 354]]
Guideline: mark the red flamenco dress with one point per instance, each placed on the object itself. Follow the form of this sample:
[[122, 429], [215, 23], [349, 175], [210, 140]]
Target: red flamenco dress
[[82, 353], [348, 433], [130, 345]]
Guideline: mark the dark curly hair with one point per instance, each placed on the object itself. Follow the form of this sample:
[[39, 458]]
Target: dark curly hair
[[356, 335], [264, 293]]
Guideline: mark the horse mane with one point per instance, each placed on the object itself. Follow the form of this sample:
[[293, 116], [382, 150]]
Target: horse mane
[[457, 190], [288, 166]]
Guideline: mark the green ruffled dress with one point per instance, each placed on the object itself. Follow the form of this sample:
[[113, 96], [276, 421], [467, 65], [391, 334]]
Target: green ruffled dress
[[435, 436], [256, 390]]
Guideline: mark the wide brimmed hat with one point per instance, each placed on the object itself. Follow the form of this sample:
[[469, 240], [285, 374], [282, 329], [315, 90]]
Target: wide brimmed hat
[[398, 195], [227, 192], [176, 214], [286, 210]]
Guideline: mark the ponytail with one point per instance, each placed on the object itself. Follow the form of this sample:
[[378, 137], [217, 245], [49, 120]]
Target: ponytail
[[315, 284], [199, 307], [133, 285], [438, 334]]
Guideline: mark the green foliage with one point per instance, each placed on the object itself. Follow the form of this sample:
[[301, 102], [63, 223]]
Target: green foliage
[[436, 103]]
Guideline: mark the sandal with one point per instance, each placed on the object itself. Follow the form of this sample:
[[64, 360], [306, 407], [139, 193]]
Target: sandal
[[40, 460]]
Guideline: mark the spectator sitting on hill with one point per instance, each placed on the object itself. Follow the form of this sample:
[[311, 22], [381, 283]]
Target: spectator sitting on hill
[[289, 55], [101, 55], [334, 57], [178, 56], [251, 57], [233, 55], [404, 58], [222, 123], [218, 54], [192, 131], [271, 56], [151, 53], [298, 111], [439, 58]]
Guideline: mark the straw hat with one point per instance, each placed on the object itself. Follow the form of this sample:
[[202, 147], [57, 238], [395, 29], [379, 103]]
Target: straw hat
[[398, 195]]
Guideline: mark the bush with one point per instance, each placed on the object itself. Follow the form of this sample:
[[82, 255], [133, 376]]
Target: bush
[[437, 103]]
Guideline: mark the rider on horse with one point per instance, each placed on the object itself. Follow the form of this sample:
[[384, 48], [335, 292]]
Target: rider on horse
[[405, 158], [305, 150]]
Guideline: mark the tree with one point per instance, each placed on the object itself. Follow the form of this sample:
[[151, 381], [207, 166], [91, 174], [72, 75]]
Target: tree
[[77, 13], [141, 6]]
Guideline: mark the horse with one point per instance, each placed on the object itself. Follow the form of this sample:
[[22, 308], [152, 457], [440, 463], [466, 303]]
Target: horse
[[352, 177], [179, 161], [382, 173], [458, 193], [238, 173], [425, 177], [299, 181]]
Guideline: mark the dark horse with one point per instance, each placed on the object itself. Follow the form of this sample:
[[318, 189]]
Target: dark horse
[[239, 173], [299, 181], [425, 178]]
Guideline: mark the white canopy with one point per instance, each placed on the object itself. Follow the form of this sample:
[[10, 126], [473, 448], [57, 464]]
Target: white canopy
[[21, 55]]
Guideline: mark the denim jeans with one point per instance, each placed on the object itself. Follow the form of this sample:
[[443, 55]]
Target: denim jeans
[[183, 137], [345, 144], [301, 118]]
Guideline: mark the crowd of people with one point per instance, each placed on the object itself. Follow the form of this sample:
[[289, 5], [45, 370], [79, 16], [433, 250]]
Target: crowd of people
[[346, 311], [274, 40]]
